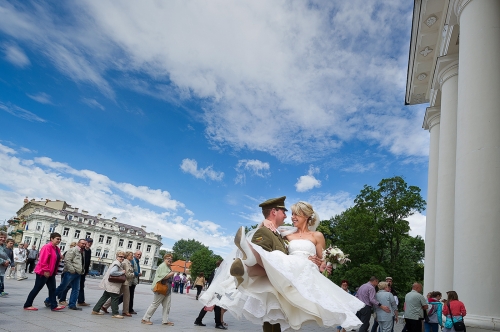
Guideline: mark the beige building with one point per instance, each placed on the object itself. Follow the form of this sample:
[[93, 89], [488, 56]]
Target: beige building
[[454, 66], [37, 219]]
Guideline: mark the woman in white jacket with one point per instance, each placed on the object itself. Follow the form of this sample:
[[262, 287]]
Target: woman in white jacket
[[111, 289]]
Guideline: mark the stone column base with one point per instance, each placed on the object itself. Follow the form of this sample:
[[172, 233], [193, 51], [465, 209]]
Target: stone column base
[[476, 323]]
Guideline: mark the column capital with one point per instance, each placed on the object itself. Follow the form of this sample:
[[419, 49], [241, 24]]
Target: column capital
[[459, 6], [446, 68], [432, 117], [446, 72]]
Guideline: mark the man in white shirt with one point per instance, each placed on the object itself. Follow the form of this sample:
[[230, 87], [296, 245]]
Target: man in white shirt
[[20, 261]]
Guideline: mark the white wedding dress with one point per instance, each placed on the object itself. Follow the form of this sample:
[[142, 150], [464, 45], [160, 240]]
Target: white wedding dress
[[294, 292]]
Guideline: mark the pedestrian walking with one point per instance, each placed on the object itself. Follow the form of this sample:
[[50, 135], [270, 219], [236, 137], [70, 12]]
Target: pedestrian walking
[[111, 289], [199, 283], [45, 274], [164, 275]]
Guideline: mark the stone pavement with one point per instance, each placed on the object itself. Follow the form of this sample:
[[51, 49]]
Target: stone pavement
[[183, 312]]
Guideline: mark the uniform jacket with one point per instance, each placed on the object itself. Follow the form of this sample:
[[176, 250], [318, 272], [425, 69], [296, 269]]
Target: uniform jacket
[[268, 240]]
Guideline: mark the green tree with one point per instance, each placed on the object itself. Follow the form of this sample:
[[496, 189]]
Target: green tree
[[374, 232], [183, 249], [204, 261], [389, 205], [160, 259]]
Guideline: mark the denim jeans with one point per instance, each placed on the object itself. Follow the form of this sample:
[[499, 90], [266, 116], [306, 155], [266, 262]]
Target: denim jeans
[[1, 284], [73, 280], [431, 327], [41, 281]]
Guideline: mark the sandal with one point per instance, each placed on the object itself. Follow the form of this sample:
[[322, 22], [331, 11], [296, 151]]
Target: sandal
[[169, 324], [58, 308], [31, 309]]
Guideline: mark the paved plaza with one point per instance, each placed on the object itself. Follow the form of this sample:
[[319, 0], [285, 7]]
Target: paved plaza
[[184, 310]]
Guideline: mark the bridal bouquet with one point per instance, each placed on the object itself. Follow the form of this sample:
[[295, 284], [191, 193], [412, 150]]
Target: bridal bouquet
[[334, 256]]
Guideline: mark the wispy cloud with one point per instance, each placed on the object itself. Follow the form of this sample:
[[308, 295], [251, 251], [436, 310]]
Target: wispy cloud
[[93, 103], [252, 166], [41, 97], [358, 168], [20, 113], [315, 80], [191, 166], [16, 56], [308, 182], [97, 193]]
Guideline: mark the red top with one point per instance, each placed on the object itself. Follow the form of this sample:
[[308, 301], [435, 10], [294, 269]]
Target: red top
[[457, 308], [47, 261]]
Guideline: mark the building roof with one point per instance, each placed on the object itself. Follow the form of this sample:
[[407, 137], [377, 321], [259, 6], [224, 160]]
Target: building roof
[[83, 217], [178, 266]]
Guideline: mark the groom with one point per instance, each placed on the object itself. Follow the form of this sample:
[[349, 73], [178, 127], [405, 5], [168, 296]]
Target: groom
[[274, 210]]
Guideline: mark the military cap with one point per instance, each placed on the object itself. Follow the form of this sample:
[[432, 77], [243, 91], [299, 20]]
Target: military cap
[[278, 203]]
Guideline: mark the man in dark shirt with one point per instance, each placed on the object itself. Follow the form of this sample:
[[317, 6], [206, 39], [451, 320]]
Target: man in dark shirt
[[87, 253]]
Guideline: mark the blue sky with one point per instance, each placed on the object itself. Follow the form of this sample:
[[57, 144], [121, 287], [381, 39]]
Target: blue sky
[[184, 116]]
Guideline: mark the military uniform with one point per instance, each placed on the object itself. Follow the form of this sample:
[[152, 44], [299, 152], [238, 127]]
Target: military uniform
[[268, 240], [271, 241]]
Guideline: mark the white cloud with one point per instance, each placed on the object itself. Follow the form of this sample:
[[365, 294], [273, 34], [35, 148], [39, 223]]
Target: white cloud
[[16, 56], [275, 76], [21, 113], [191, 166], [41, 97], [417, 224], [97, 193], [328, 205], [93, 103], [254, 166], [308, 182]]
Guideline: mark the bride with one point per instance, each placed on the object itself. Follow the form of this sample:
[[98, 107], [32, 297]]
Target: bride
[[276, 288]]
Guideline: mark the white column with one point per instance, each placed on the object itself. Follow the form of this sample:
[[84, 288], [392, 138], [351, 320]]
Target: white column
[[477, 204], [431, 122], [448, 80]]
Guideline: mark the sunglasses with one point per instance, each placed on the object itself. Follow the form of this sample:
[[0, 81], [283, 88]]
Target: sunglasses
[[121, 256]]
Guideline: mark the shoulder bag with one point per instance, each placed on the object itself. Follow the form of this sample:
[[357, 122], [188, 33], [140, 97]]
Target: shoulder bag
[[161, 287], [458, 326], [117, 279]]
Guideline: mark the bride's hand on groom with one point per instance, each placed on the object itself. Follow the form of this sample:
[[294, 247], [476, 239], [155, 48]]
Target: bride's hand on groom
[[268, 224]]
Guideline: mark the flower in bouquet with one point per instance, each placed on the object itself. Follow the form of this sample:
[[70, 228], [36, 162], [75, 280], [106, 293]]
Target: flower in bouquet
[[333, 256]]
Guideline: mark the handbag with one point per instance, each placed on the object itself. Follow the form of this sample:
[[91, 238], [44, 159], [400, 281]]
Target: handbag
[[161, 287], [117, 279], [426, 316], [458, 326]]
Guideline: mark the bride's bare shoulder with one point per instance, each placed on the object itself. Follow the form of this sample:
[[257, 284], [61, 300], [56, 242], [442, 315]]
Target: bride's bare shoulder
[[318, 235]]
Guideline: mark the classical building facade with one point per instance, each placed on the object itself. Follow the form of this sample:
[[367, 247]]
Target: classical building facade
[[454, 66], [37, 219]]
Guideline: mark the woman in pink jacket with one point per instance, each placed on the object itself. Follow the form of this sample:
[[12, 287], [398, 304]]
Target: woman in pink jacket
[[45, 272]]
